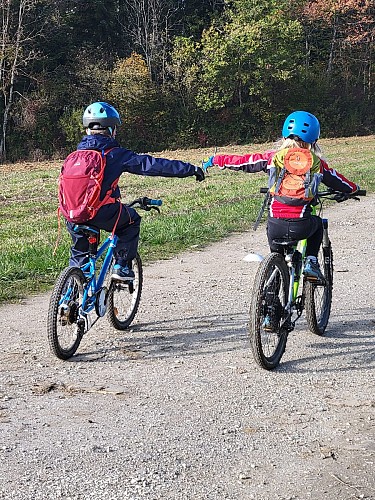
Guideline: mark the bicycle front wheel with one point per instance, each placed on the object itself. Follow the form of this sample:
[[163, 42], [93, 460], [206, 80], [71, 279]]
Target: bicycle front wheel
[[64, 334], [270, 295], [124, 298], [318, 298]]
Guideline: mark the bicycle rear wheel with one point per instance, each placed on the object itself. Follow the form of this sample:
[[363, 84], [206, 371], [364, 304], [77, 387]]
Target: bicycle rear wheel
[[270, 295], [124, 298], [64, 334], [318, 298]]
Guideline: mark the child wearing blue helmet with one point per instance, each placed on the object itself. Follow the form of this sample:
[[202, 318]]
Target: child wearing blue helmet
[[291, 216], [101, 121]]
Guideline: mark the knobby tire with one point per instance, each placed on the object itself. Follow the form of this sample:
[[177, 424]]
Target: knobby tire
[[124, 298], [270, 291], [64, 335], [318, 299]]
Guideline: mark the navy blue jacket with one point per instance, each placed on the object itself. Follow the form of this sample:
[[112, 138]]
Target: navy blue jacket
[[121, 160]]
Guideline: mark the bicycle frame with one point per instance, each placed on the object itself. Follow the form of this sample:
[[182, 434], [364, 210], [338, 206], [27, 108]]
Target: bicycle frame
[[294, 261], [301, 248], [94, 283], [89, 270], [294, 278]]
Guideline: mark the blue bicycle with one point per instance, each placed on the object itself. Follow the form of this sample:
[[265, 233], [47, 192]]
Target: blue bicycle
[[82, 295]]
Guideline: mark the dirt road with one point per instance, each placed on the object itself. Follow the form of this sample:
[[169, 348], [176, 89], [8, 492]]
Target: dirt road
[[176, 408]]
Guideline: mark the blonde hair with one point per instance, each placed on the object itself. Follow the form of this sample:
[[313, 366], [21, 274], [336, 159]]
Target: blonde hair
[[101, 131], [286, 143]]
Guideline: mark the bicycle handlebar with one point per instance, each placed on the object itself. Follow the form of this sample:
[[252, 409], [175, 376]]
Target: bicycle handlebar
[[145, 203], [361, 192], [329, 192]]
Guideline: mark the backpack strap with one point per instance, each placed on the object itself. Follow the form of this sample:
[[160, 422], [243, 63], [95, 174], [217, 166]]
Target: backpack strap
[[280, 180], [113, 187], [306, 183], [108, 195]]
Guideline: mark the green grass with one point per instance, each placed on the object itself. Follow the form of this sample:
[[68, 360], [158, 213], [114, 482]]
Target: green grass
[[193, 214]]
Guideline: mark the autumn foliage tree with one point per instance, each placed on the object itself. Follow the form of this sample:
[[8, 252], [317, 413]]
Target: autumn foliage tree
[[181, 70]]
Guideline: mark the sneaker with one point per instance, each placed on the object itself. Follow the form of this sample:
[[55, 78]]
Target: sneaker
[[122, 273], [312, 272]]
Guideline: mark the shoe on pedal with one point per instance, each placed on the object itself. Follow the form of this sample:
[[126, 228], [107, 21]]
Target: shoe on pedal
[[312, 272], [122, 273]]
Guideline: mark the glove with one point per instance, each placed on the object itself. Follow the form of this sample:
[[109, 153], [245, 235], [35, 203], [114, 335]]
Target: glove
[[199, 174], [207, 162], [341, 197]]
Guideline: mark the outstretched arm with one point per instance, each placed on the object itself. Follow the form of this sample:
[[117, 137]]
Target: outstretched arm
[[335, 180], [250, 163], [143, 164]]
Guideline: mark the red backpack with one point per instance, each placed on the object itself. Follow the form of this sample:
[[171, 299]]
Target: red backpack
[[80, 184]]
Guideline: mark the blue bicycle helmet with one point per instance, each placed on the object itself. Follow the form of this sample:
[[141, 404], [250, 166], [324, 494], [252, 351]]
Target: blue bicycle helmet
[[100, 115], [302, 124]]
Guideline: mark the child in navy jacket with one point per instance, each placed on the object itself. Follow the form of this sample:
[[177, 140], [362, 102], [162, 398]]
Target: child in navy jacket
[[101, 120]]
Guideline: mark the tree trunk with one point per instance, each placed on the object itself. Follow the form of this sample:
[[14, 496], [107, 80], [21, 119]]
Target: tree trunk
[[333, 45]]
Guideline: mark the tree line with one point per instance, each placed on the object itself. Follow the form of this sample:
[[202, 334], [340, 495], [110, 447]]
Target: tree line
[[182, 73]]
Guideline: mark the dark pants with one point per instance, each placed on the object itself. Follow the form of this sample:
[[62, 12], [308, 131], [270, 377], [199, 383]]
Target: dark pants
[[127, 230], [310, 228]]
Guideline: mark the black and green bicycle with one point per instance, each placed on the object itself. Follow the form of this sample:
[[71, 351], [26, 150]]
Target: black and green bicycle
[[282, 293]]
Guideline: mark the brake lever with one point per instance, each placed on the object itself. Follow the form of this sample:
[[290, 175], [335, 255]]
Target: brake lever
[[147, 208]]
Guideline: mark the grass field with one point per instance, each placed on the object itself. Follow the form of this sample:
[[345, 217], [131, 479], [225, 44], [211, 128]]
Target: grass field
[[193, 214]]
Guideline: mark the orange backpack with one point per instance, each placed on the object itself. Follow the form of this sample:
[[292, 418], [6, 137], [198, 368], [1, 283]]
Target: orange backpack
[[295, 177]]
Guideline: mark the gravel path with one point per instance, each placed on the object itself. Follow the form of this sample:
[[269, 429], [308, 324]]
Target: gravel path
[[176, 408]]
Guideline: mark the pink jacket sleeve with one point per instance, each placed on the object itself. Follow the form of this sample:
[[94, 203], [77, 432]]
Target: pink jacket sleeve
[[251, 163]]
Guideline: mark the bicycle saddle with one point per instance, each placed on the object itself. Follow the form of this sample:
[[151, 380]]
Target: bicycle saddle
[[86, 230], [285, 242]]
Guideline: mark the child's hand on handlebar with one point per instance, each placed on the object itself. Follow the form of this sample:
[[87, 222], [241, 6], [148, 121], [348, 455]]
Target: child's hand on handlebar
[[339, 197]]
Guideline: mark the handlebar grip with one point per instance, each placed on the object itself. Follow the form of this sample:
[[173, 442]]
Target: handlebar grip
[[360, 192], [155, 203], [263, 190]]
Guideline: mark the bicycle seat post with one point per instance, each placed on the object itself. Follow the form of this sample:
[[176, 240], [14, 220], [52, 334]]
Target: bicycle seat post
[[93, 245], [92, 234], [294, 260]]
